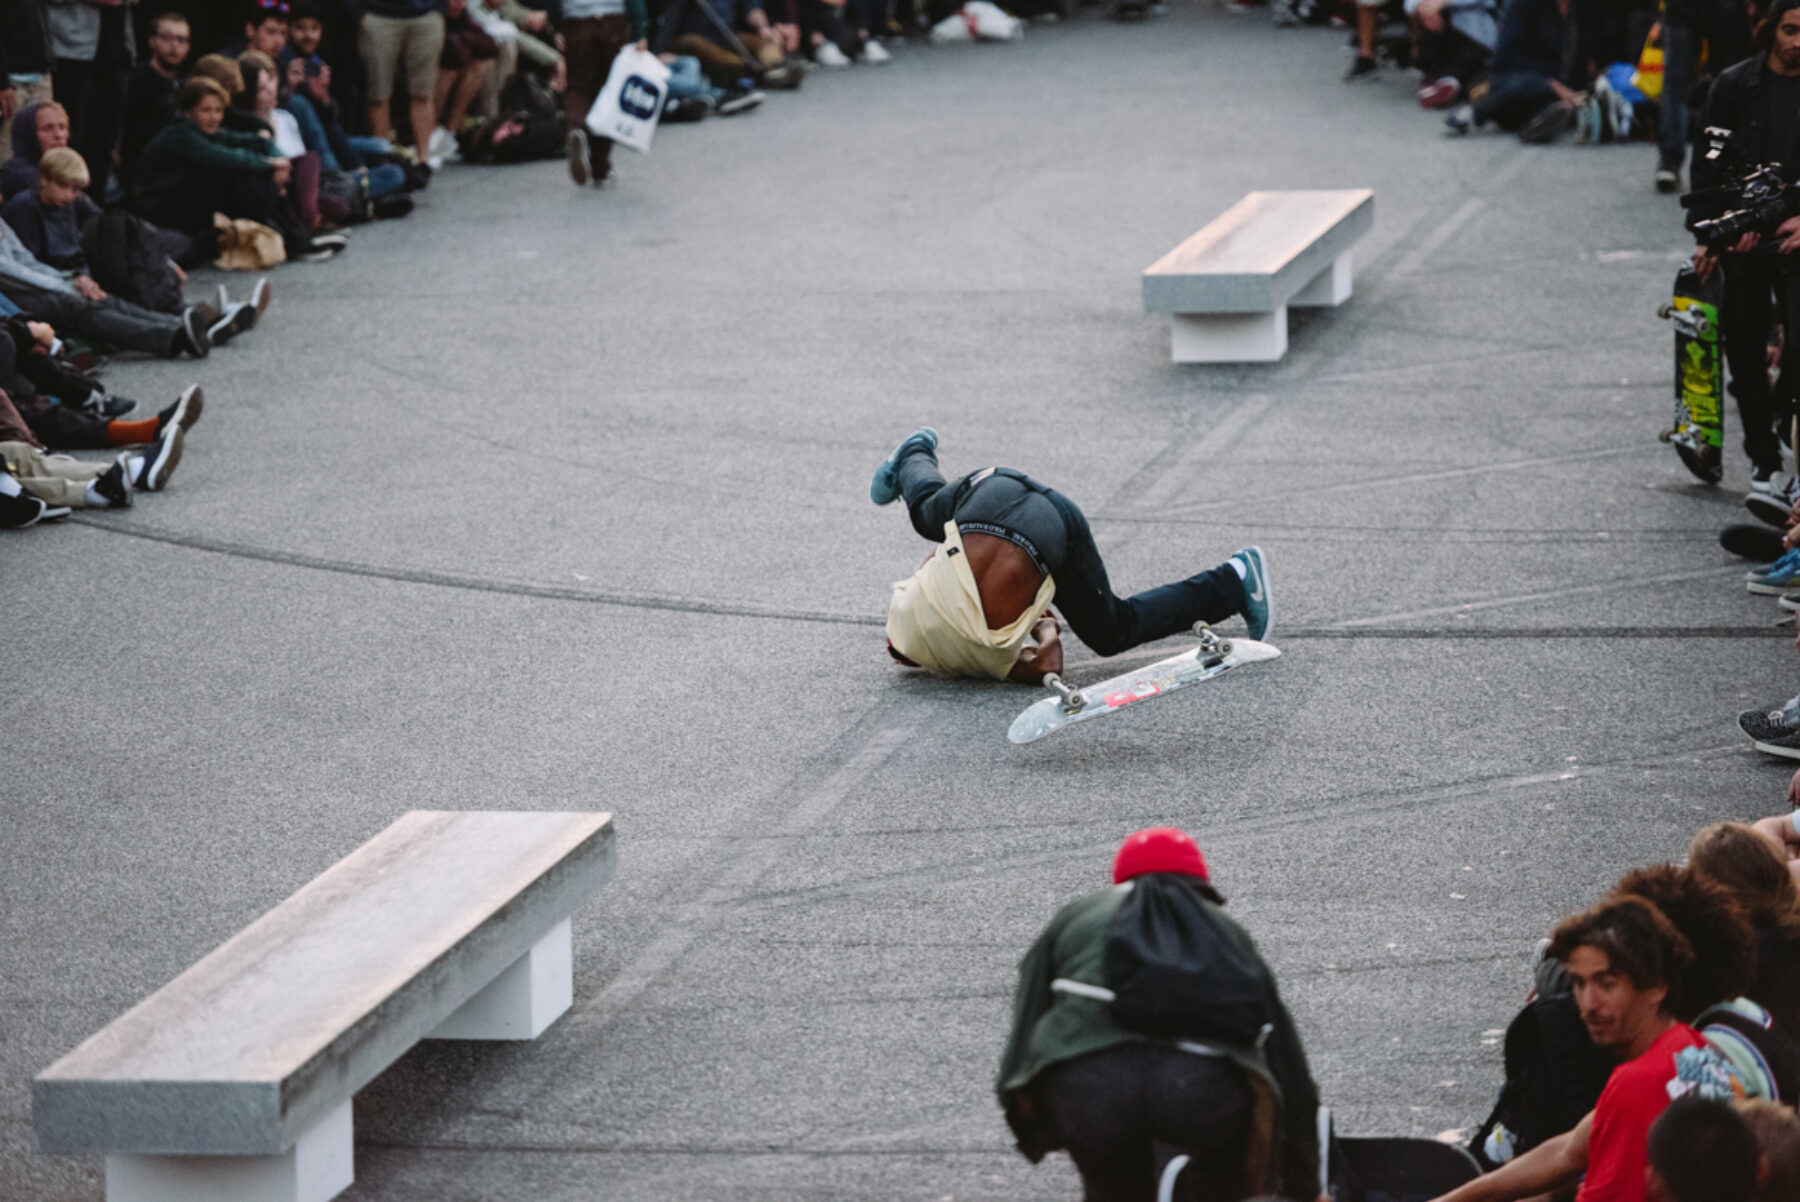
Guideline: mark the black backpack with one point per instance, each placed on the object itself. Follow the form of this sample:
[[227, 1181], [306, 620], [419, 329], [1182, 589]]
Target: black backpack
[[1554, 1073], [1176, 973], [128, 257]]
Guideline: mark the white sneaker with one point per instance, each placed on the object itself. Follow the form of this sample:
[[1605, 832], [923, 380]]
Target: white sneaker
[[827, 54], [874, 54], [441, 144]]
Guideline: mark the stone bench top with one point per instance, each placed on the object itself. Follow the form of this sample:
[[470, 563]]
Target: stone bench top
[[311, 1001], [1259, 252]]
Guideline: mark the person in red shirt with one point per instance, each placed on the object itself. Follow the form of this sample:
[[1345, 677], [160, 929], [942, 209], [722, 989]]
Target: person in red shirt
[[1622, 957]]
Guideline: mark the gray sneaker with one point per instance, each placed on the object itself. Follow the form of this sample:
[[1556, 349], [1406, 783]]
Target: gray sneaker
[[1775, 731], [884, 489]]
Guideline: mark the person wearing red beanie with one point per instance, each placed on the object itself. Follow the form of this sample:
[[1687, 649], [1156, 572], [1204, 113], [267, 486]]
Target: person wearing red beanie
[[1080, 1075]]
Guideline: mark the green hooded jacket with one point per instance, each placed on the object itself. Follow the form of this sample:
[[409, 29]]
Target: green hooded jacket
[[1050, 1026]]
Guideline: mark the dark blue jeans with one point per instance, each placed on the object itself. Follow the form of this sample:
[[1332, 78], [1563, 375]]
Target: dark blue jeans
[[1727, 35], [1513, 98], [1049, 528]]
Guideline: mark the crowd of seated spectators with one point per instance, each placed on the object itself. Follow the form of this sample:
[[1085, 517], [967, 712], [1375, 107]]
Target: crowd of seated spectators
[[1657, 1058]]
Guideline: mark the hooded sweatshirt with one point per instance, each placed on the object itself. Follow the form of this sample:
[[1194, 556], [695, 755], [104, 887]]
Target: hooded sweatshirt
[[20, 172]]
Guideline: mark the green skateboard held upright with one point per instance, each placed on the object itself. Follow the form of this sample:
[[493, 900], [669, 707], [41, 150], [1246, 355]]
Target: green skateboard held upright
[[1699, 432]]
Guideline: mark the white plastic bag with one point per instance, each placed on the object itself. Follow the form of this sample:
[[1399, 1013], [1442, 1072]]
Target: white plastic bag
[[978, 19], [628, 106], [992, 23]]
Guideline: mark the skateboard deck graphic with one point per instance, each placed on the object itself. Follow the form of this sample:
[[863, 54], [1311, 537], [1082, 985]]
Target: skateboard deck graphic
[[1698, 434], [1066, 706]]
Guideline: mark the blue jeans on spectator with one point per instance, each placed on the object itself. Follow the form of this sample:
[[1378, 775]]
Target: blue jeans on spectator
[[687, 79], [1727, 36], [1513, 98]]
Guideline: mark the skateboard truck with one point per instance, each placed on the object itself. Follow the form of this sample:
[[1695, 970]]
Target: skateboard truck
[[1213, 649], [1072, 702]]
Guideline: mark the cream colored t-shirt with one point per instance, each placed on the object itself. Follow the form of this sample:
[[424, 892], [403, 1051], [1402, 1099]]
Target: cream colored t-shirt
[[935, 618]]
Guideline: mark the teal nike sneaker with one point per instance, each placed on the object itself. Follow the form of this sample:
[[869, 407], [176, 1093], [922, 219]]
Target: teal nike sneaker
[[885, 487], [1259, 611]]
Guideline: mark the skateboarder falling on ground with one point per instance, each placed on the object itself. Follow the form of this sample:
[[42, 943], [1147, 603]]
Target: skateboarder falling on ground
[[980, 605]]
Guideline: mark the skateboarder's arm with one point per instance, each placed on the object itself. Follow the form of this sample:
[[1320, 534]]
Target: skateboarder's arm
[[1046, 656], [1553, 1164]]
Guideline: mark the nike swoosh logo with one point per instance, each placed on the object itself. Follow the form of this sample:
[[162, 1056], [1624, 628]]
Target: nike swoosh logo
[[1256, 593]]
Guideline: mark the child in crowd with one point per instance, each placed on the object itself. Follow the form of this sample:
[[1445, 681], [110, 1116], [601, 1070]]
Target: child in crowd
[[48, 216]]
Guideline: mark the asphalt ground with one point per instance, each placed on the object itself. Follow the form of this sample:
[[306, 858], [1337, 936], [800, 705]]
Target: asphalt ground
[[556, 499]]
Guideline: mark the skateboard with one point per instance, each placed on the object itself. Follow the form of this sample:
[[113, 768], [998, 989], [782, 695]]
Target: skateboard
[[1066, 706], [1698, 433]]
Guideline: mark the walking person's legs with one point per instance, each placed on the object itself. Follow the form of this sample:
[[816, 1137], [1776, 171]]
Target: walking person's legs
[[1679, 51], [1746, 316]]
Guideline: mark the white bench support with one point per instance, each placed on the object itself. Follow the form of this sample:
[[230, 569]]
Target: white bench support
[[524, 999], [1229, 337], [319, 1166], [1329, 289]]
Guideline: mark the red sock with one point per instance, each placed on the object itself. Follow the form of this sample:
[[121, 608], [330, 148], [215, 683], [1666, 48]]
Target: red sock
[[125, 434]]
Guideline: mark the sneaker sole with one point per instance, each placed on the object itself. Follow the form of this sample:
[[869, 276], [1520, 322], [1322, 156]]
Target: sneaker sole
[[1767, 509], [157, 473], [198, 345], [1786, 753], [189, 407], [1268, 596], [259, 300], [1762, 589], [884, 475], [580, 169]]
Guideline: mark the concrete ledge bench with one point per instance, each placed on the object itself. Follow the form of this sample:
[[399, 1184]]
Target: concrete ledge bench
[[1227, 289], [233, 1081]]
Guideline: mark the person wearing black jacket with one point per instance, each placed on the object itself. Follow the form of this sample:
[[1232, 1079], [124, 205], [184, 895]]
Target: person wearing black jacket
[[1758, 101]]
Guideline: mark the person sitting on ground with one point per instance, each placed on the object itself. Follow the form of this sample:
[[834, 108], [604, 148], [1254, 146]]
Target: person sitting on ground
[[262, 98], [464, 67], [536, 50], [1456, 41], [59, 480], [1624, 958], [20, 509], [196, 168], [48, 217], [59, 409], [152, 91], [702, 32], [1700, 1151], [1082, 1070], [1007, 546], [1526, 90], [307, 94], [46, 294], [36, 128], [1741, 860], [593, 33], [828, 31], [1777, 1132]]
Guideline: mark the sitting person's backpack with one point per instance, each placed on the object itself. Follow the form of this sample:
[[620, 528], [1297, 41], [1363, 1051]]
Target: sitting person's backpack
[[1174, 972], [1554, 1073], [1767, 1060], [128, 257]]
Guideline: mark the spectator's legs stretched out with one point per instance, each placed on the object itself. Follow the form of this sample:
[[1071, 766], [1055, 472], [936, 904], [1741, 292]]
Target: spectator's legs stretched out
[[821, 20], [111, 320], [590, 44], [1513, 98], [1113, 1108], [1746, 317], [722, 65], [52, 479]]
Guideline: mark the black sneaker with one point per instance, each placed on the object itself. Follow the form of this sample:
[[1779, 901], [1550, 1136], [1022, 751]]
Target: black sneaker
[[1552, 122], [1362, 68], [24, 510], [394, 204], [160, 458], [1775, 731], [184, 412], [192, 339], [103, 404], [581, 167], [1668, 179], [317, 250], [1774, 506], [739, 101], [688, 108], [234, 321], [1758, 544], [115, 485]]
